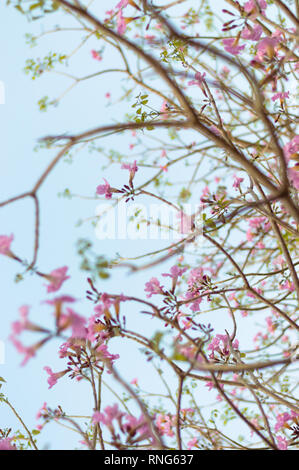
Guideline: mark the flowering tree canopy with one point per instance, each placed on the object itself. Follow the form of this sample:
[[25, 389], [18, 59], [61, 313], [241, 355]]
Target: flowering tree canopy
[[207, 183]]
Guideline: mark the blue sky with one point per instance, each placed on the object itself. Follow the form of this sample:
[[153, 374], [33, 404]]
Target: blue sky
[[22, 125]]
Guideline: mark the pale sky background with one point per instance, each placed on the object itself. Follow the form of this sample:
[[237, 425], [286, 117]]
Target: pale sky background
[[22, 124]]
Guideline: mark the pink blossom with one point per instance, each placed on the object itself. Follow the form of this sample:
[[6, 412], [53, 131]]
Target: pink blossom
[[282, 443], [53, 377], [103, 353], [132, 167], [153, 287], [110, 413], [42, 411], [164, 168], [287, 285], [220, 345], [5, 243], [96, 417], [199, 79], [210, 385], [175, 272], [96, 55], [27, 351], [192, 443], [237, 182], [253, 33], [280, 96], [121, 23], [267, 47], [5, 444], [165, 423], [164, 110], [294, 177], [122, 4], [19, 326], [57, 277], [270, 325], [77, 323], [291, 149], [104, 189], [252, 10], [231, 46]]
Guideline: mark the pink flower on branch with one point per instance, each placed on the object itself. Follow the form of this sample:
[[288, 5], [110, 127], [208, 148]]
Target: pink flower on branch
[[280, 96], [252, 33], [5, 444], [54, 377], [96, 55], [56, 278], [254, 8], [5, 242], [153, 287], [104, 189], [231, 46]]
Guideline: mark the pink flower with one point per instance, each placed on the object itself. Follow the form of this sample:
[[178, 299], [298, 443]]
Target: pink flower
[[132, 167], [192, 443], [110, 413], [165, 424], [291, 149], [164, 110], [252, 10], [54, 377], [19, 326], [253, 33], [104, 354], [210, 385], [294, 177], [96, 55], [199, 79], [5, 243], [237, 182], [134, 382], [267, 47], [28, 351], [282, 443], [220, 345], [280, 96], [231, 46], [122, 4], [153, 287], [121, 23], [57, 278], [270, 325], [96, 417], [42, 411], [104, 189], [77, 323], [5, 444], [164, 168], [175, 272]]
